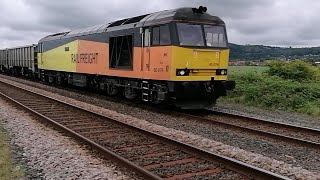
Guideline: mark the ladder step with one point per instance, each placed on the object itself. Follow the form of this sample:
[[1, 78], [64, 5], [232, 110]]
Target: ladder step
[[145, 91]]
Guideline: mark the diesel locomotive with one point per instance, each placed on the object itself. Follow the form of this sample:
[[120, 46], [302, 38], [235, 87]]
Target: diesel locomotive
[[177, 56]]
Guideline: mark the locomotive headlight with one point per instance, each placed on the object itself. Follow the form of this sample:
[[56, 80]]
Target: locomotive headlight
[[221, 72], [182, 72]]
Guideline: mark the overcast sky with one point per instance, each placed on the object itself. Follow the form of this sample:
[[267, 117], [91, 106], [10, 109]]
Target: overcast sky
[[268, 22]]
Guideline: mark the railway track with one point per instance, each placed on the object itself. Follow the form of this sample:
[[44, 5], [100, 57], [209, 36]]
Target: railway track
[[302, 136], [150, 155]]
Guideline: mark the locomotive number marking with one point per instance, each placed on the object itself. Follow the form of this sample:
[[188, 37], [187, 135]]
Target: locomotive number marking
[[159, 70], [195, 53]]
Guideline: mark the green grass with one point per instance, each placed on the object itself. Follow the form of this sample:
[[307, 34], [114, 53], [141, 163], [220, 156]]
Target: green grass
[[255, 86], [234, 70], [7, 169]]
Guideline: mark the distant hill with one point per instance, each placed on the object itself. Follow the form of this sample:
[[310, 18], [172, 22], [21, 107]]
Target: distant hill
[[260, 52]]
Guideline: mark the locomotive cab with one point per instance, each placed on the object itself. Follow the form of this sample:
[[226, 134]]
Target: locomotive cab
[[191, 52], [201, 59]]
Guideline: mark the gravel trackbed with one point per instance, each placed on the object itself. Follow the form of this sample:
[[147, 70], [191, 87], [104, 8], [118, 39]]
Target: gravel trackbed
[[51, 154]]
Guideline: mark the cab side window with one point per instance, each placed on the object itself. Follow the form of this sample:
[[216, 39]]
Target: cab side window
[[161, 35], [155, 36], [165, 35]]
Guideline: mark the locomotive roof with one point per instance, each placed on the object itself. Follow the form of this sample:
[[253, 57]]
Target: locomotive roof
[[24, 46], [161, 17]]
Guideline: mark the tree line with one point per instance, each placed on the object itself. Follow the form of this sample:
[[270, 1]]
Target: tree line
[[260, 52]]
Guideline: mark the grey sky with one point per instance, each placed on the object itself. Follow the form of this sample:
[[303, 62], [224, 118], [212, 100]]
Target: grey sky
[[268, 22]]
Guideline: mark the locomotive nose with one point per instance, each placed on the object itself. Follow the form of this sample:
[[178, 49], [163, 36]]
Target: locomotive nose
[[204, 58]]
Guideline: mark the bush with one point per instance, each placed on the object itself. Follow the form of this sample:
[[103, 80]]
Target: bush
[[295, 70], [274, 92]]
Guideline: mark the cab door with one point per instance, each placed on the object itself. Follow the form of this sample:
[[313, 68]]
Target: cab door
[[145, 66]]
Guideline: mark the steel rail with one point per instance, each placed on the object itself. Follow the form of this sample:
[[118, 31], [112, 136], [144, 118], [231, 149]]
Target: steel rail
[[230, 163], [272, 135], [268, 122]]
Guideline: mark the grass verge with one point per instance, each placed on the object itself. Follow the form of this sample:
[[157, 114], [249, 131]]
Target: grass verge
[[7, 169]]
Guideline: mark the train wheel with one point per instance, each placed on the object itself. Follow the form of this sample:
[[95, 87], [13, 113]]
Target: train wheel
[[111, 88], [130, 93]]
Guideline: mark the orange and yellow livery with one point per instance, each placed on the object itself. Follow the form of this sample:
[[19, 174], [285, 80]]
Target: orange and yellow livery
[[177, 56]]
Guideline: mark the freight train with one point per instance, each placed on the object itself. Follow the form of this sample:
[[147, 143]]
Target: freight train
[[177, 56]]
